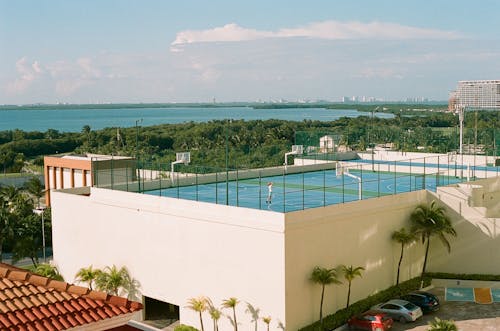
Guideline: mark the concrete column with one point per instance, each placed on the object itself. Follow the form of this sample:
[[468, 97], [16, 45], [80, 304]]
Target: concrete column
[[47, 185], [54, 177], [72, 178], [61, 176]]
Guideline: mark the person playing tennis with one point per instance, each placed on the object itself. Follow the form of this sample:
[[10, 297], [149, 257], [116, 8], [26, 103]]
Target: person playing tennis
[[269, 192]]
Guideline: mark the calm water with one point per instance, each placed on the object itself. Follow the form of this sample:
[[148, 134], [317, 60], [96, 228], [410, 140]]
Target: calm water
[[72, 120]]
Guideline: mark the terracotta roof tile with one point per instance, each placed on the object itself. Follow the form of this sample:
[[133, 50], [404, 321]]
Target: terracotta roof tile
[[3, 307], [50, 296], [78, 290], [32, 302], [17, 275], [3, 271], [13, 318], [3, 297], [8, 283], [64, 322], [58, 285], [118, 301], [35, 301], [27, 302], [29, 314], [22, 317], [55, 322], [4, 321], [60, 308], [43, 298], [95, 295]]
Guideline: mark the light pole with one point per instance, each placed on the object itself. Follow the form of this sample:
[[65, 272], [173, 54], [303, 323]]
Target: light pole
[[39, 211], [137, 151], [227, 162]]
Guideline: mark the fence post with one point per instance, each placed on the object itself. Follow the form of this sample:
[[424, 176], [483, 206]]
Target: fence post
[[260, 189]]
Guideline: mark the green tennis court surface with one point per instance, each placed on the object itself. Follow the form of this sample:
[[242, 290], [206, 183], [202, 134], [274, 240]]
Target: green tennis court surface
[[293, 192]]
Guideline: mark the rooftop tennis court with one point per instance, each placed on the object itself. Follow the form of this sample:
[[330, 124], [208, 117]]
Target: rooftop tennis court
[[298, 191]]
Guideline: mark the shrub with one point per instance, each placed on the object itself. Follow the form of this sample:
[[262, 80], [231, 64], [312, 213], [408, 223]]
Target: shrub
[[184, 327], [444, 275], [341, 316]]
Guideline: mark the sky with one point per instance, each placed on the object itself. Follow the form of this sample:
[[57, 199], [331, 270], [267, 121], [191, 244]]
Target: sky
[[95, 51]]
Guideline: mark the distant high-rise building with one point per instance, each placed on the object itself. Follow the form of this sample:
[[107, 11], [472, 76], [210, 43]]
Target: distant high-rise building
[[478, 94]]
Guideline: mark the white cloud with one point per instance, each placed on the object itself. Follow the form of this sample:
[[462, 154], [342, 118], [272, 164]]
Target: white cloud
[[27, 75], [330, 30]]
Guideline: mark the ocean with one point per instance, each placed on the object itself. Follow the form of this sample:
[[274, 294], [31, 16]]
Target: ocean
[[73, 120]]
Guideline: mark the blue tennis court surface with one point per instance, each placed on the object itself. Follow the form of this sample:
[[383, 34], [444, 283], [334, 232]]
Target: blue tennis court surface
[[495, 294], [459, 294], [299, 191]]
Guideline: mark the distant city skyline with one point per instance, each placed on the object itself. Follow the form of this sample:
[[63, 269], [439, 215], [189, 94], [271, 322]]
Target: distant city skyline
[[195, 51]]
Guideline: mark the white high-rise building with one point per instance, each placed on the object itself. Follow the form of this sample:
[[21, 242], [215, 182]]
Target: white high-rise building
[[479, 94]]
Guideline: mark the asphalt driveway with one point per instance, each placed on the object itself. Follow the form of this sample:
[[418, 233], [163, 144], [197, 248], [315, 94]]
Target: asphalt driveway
[[469, 316]]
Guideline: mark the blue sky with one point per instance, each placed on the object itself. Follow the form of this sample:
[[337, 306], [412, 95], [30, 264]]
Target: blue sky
[[193, 51]]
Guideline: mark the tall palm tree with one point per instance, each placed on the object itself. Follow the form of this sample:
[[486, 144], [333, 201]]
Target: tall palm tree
[[35, 187], [215, 314], [6, 224], [442, 325], [255, 314], [87, 275], [232, 303], [349, 274], [267, 320], [431, 221], [404, 238], [323, 276], [199, 305]]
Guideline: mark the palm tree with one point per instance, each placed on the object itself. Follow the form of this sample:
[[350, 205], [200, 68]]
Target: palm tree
[[231, 303], [199, 305], [35, 187], [254, 312], [442, 325], [428, 221], [7, 221], [323, 276], [112, 279], [87, 275], [404, 238], [349, 274], [267, 320], [215, 314]]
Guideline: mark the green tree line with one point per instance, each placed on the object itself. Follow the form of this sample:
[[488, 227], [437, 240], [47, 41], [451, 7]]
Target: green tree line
[[249, 143]]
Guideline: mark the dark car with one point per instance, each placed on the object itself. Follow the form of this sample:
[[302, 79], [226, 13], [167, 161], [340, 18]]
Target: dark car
[[370, 320], [428, 302]]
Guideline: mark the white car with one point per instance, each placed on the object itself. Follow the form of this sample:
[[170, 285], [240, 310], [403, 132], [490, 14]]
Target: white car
[[400, 310]]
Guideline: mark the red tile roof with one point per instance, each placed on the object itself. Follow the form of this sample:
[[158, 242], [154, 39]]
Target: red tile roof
[[31, 302]]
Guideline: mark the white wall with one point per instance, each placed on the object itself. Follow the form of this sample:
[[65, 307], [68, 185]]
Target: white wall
[[176, 249], [356, 233]]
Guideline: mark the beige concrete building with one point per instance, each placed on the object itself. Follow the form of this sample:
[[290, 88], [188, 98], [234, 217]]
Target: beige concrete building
[[69, 171], [179, 249]]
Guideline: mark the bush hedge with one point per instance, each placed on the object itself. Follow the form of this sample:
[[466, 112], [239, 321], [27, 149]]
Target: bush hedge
[[444, 275], [341, 316], [184, 327]]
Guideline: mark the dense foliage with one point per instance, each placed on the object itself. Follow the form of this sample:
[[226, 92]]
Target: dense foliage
[[20, 232], [341, 316], [249, 143]]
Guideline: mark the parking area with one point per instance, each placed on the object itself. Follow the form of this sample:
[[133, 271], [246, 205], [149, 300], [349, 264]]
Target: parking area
[[467, 315]]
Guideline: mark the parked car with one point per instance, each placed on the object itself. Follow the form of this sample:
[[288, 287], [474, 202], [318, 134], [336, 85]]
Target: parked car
[[428, 302], [370, 320], [400, 310]]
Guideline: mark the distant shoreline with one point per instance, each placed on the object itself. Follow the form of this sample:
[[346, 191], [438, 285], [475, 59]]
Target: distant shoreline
[[326, 105]]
